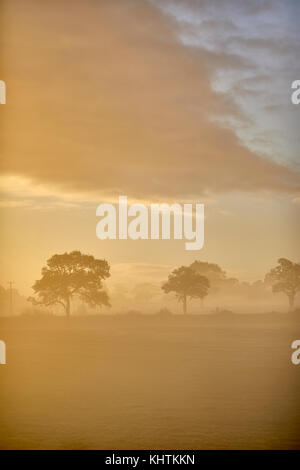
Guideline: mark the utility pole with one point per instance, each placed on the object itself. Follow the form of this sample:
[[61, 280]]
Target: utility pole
[[10, 298]]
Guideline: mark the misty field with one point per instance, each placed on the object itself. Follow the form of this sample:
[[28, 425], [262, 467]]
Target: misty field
[[149, 382]]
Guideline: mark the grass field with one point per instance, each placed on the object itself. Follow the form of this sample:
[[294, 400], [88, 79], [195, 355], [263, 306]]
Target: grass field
[[145, 382]]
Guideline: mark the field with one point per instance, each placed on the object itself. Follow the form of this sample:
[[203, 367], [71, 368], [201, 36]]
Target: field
[[148, 382]]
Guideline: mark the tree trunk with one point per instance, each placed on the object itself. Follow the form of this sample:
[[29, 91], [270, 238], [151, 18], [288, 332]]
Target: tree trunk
[[184, 305], [291, 302], [68, 307]]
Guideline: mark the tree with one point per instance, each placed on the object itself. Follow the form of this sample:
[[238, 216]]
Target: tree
[[185, 282], [216, 276], [285, 278], [72, 274]]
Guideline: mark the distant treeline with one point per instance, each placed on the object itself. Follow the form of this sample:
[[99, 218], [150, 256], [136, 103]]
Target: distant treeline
[[75, 282]]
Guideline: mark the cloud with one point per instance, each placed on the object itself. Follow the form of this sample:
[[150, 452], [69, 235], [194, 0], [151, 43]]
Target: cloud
[[17, 191], [103, 97], [255, 46]]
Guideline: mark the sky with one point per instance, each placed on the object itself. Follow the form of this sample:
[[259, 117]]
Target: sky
[[162, 102]]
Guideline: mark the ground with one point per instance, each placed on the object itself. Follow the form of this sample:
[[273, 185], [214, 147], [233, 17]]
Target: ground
[[148, 382]]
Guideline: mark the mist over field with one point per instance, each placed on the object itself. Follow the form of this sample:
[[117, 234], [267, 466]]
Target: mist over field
[[146, 296], [217, 382], [152, 366]]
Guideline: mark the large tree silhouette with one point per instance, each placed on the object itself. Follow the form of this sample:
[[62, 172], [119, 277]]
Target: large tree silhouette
[[216, 276], [185, 282], [285, 277], [72, 274]]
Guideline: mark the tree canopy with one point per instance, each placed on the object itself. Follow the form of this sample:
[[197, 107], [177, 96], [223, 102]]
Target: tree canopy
[[217, 276], [72, 274], [185, 282], [285, 277]]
